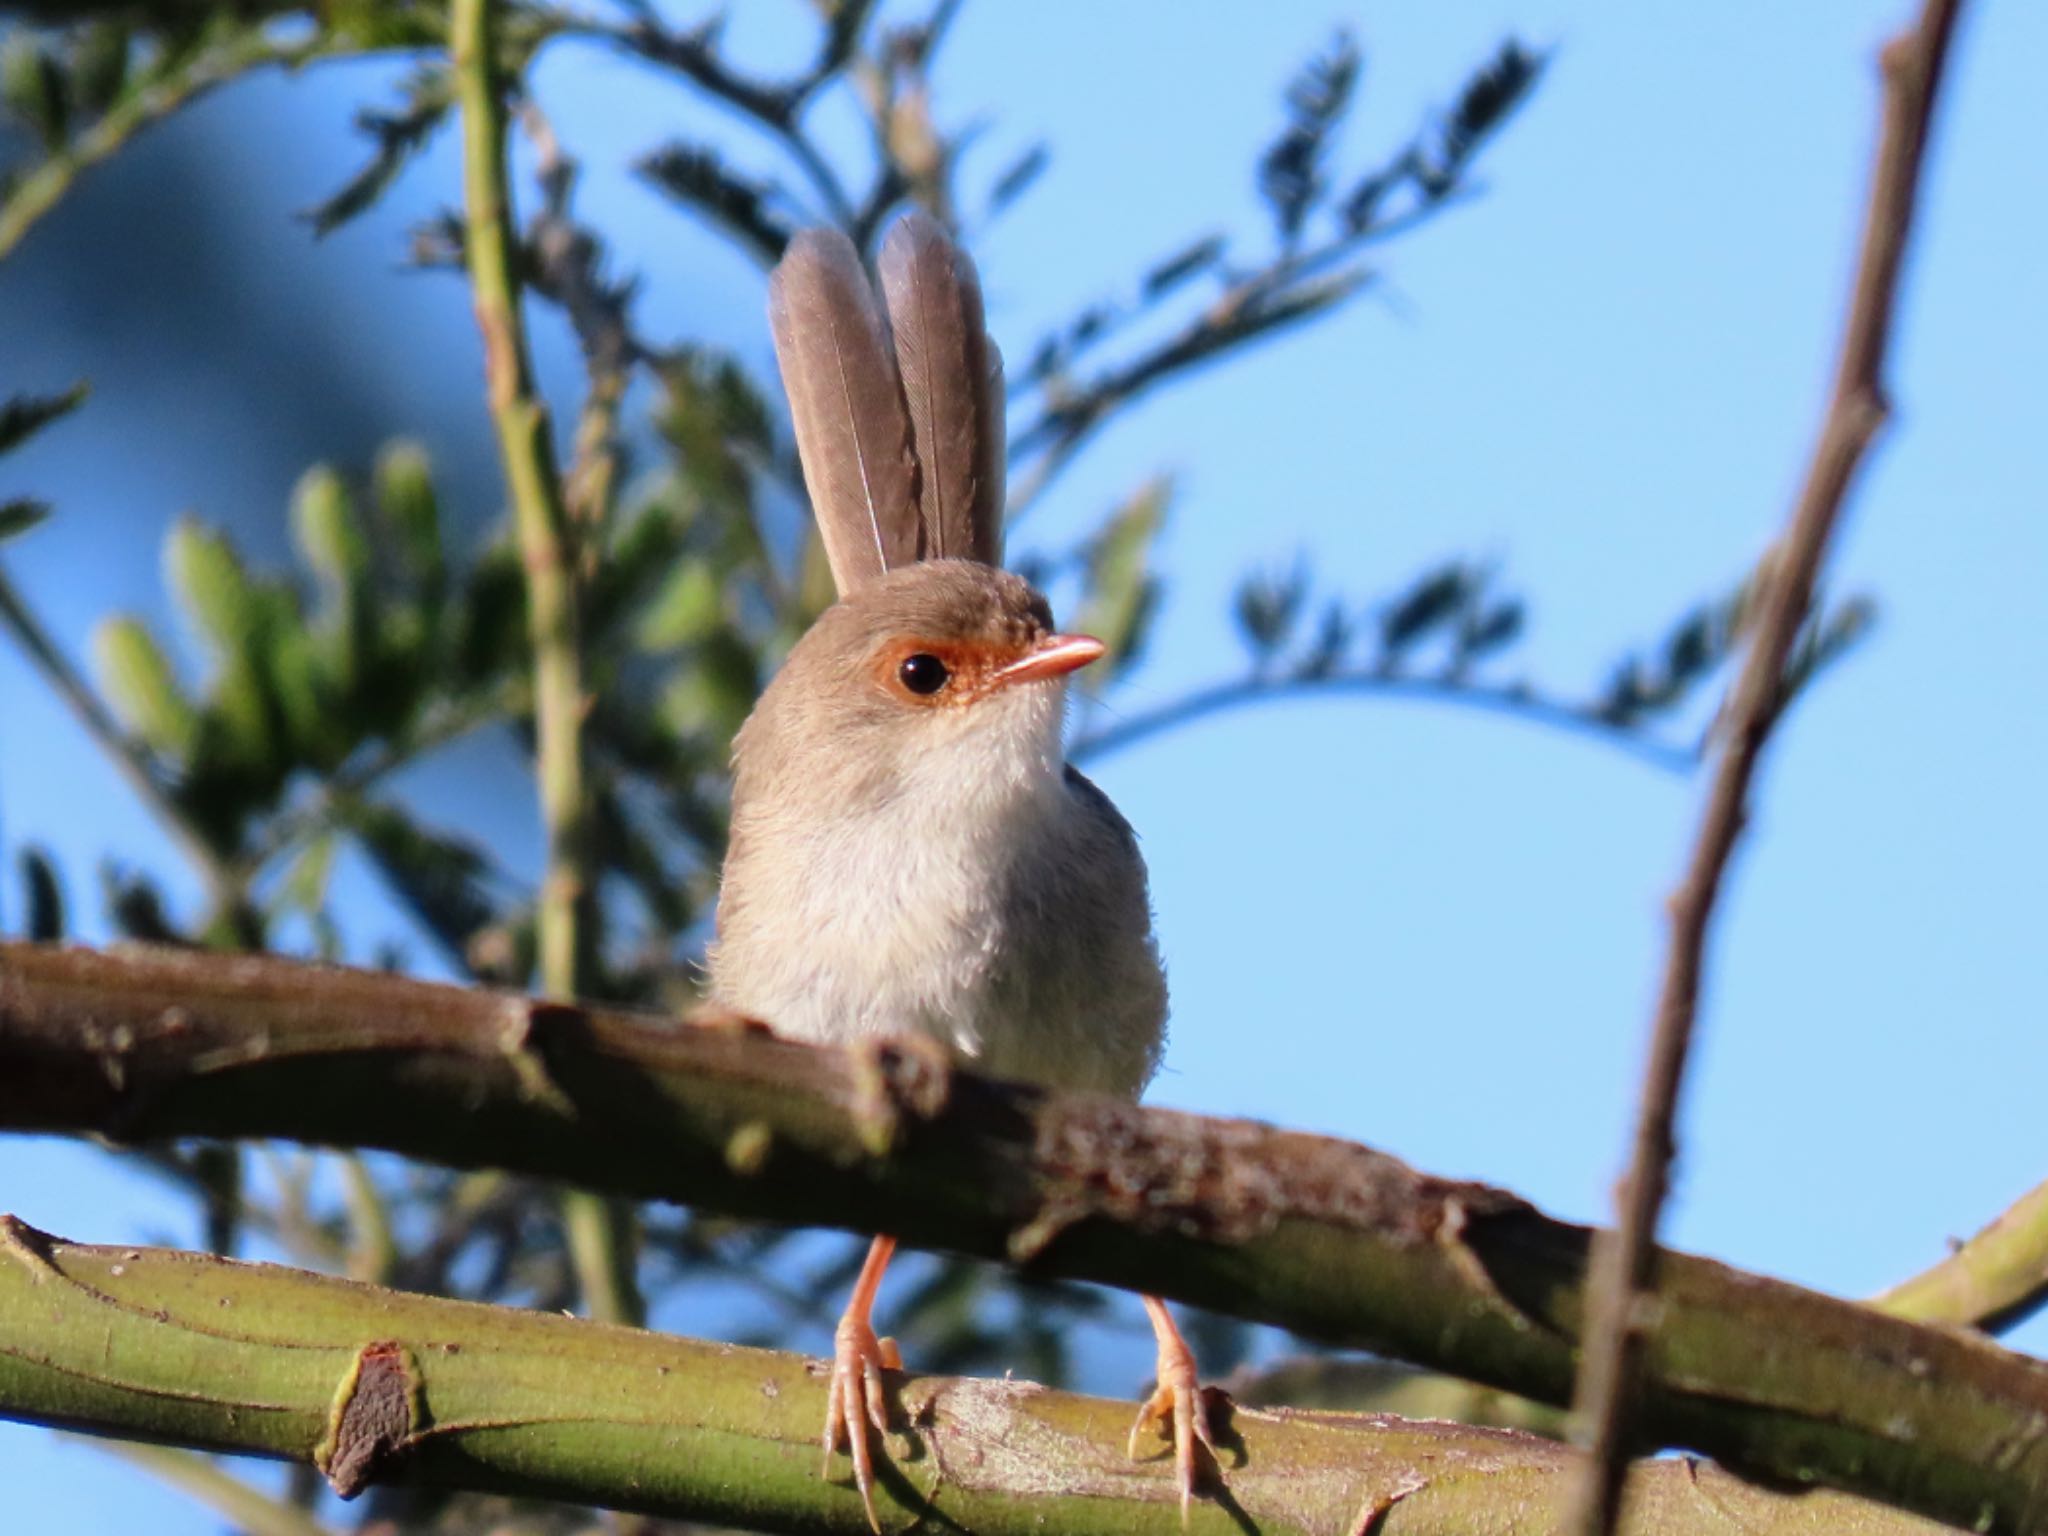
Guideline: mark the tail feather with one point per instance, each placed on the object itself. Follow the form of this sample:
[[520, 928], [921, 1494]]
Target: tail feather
[[852, 433], [953, 385]]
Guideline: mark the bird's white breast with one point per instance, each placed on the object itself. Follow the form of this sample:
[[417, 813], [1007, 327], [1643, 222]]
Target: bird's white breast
[[887, 921]]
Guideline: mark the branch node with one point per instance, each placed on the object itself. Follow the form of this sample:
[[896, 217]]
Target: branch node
[[378, 1414], [1380, 1501], [524, 1043], [30, 1246], [905, 1075], [747, 1149]]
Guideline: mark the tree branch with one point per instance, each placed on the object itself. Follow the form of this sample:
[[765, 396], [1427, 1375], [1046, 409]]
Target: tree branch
[[774, 109], [372, 1385], [1330, 1239], [1625, 1275], [1508, 700], [44, 186], [541, 520], [1995, 1281]]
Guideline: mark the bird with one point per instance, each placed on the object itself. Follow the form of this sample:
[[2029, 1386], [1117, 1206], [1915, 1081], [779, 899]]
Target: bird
[[911, 856]]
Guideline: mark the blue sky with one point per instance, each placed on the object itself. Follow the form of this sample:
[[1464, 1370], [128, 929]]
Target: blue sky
[[1434, 931]]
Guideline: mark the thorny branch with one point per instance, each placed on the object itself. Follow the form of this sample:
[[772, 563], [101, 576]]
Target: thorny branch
[[1620, 1329]]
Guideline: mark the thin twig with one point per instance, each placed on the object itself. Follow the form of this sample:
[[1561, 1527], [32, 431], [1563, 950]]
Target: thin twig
[[1514, 702], [1236, 318], [1623, 1273], [546, 546], [775, 109], [40, 189]]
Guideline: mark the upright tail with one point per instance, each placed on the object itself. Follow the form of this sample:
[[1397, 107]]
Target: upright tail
[[899, 423]]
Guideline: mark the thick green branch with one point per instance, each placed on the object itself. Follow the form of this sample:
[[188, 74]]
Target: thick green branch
[[1331, 1239], [1995, 1281], [541, 518], [371, 1385]]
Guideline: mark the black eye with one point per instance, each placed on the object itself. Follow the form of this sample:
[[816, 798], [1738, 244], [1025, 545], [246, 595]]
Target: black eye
[[923, 673]]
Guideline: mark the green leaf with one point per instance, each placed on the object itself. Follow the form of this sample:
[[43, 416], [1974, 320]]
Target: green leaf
[[1489, 98], [311, 696], [689, 607], [695, 176], [1268, 607], [717, 421], [404, 483], [25, 415], [1486, 630], [1120, 593], [1432, 602], [398, 134], [99, 65], [441, 878], [143, 689], [212, 587], [1291, 177], [136, 908], [332, 667], [33, 85], [20, 515], [329, 535], [305, 883], [491, 619], [43, 898], [713, 695]]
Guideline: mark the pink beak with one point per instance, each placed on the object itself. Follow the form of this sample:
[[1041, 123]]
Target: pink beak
[[1054, 656]]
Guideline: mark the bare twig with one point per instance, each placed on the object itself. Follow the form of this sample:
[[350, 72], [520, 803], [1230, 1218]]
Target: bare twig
[[1511, 701], [1624, 1271], [546, 544], [1241, 315], [1995, 1281], [776, 109]]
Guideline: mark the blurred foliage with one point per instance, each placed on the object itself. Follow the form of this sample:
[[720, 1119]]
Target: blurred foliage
[[272, 729]]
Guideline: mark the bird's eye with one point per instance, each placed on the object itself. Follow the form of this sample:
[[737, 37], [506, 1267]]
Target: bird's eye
[[923, 673]]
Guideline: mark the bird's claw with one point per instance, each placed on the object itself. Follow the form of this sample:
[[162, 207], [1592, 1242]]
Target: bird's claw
[[1178, 1407], [856, 1399]]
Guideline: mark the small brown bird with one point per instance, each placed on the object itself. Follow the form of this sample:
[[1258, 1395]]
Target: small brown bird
[[911, 855]]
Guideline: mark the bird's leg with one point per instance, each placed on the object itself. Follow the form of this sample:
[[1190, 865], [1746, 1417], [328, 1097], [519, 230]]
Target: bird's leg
[[1176, 1404], [856, 1398]]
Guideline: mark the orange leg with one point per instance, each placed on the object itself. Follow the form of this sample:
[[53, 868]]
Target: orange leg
[[856, 1397], [1176, 1404]]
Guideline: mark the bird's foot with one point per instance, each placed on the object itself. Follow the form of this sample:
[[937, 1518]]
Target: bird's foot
[[728, 1020], [1177, 1407], [857, 1398]]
